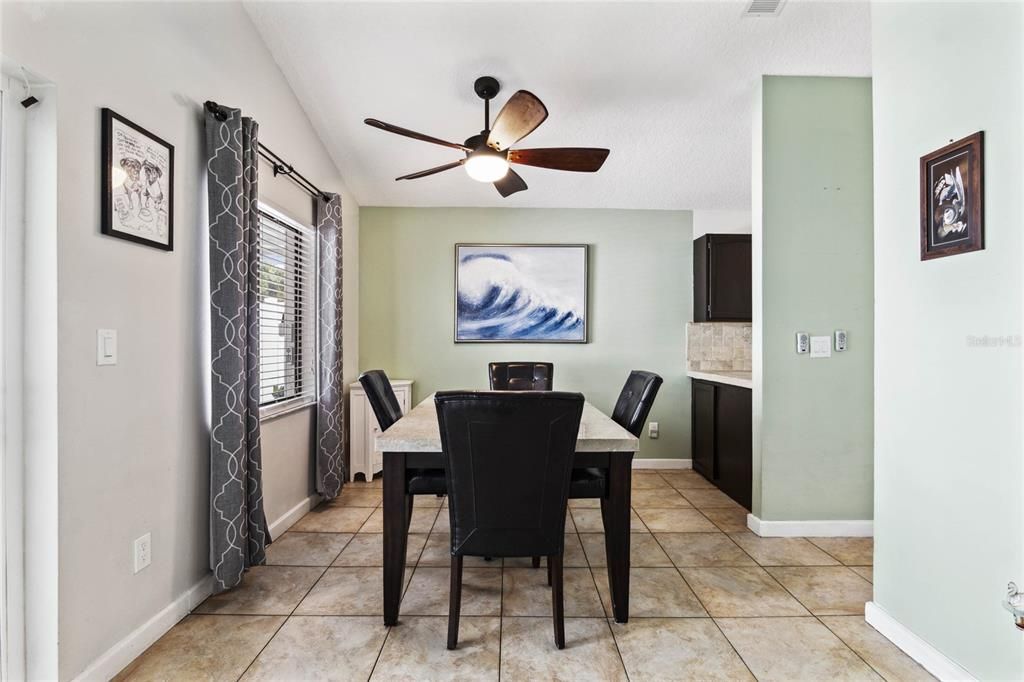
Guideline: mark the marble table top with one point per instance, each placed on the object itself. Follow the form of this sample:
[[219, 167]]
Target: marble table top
[[418, 432]]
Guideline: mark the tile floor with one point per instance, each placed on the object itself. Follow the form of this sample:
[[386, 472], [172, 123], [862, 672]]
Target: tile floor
[[709, 600]]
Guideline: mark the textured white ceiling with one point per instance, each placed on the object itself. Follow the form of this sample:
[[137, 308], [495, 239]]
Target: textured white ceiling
[[668, 87]]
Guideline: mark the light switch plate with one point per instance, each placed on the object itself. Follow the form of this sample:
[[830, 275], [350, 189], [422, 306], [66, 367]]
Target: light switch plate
[[821, 346], [106, 346]]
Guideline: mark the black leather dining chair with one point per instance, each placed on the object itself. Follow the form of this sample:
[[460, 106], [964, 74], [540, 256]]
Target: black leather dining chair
[[508, 462], [521, 376], [631, 411], [387, 410]]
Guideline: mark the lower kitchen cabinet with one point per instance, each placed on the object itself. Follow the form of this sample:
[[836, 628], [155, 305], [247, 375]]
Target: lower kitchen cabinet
[[721, 428]]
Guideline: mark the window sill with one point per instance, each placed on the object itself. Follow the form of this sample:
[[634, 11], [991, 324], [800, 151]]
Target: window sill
[[285, 407]]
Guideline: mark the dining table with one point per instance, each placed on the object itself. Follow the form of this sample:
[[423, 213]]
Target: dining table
[[414, 442]]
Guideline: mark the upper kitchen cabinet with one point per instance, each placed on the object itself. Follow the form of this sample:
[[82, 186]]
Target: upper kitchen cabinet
[[721, 278]]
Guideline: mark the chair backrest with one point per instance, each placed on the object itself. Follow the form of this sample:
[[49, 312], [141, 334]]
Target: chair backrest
[[382, 397], [508, 460], [635, 400], [521, 376]]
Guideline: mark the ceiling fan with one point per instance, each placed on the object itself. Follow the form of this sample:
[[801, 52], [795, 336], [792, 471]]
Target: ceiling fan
[[488, 155]]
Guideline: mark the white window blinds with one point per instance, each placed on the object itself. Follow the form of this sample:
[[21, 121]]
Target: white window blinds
[[287, 309]]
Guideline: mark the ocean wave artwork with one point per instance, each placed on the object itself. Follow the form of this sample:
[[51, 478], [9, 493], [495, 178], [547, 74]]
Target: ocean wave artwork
[[521, 293]]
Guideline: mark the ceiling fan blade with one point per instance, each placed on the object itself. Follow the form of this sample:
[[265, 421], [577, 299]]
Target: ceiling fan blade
[[520, 116], [387, 127], [579, 159], [510, 184], [431, 171]]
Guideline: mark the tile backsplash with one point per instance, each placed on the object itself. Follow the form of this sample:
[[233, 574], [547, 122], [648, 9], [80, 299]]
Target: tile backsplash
[[718, 346]]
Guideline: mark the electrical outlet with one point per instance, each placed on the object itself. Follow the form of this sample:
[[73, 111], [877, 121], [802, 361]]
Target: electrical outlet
[[652, 430], [143, 547]]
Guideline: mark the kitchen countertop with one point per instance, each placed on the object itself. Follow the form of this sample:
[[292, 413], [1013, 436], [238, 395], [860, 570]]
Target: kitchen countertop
[[741, 379]]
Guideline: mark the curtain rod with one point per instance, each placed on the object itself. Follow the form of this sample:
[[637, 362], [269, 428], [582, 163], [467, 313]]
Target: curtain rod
[[280, 166]]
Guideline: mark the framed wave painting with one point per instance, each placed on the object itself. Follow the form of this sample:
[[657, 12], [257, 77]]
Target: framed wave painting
[[521, 293]]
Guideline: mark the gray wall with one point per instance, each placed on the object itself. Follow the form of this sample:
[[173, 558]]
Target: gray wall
[[813, 272], [949, 470], [133, 453], [641, 295]]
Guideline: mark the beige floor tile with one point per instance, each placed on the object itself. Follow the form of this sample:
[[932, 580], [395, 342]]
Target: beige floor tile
[[676, 521], [653, 593], [644, 551], [647, 480], [703, 549], [850, 551], [265, 590], [677, 649], [327, 519], [658, 498], [825, 590], [422, 520], [416, 650], [585, 503], [741, 592], [428, 592], [686, 480], [881, 654], [306, 549], [375, 482], [442, 524], [525, 592], [728, 519], [365, 497], [793, 649], [430, 502], [321, 648], [528, 651], [204, 648], [710, 499], [572, 557], [782, 551], [438, 552], [347, 591], [367, 549], [866, 572], [589, 521]]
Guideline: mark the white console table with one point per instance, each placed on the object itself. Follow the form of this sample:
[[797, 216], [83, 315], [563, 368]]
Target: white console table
[[363, 457]]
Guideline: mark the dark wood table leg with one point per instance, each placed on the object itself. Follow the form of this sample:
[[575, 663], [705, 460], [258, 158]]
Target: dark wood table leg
[[615, 511], [396, 527]]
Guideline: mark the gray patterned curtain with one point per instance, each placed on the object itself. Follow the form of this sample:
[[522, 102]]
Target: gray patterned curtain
[[330, 420], [238, 525]]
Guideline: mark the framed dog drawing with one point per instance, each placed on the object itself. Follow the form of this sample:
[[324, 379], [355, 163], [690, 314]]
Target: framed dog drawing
[[952, 194], [138, 184]]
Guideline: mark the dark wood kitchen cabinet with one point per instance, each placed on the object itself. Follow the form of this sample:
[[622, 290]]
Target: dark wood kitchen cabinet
[[721, 278], [721, 437]]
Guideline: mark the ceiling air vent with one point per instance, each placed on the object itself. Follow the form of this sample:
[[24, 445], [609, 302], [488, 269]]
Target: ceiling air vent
[[764, 8]]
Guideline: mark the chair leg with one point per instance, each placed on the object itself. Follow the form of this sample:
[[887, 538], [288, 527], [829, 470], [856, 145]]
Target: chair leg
[[455, 602], [557, 610], [408, 518], [536, 562], [549, 572]]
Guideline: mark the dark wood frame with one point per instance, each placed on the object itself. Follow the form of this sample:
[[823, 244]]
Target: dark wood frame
[[107, 196], [973, 185]]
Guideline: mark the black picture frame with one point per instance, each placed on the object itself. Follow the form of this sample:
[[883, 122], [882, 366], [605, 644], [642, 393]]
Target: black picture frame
[[953, 198], [137, 188]]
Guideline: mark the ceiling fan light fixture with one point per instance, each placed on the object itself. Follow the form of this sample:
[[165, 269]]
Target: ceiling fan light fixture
[[484, 166]]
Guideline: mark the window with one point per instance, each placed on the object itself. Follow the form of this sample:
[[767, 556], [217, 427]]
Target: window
[[287, 309]]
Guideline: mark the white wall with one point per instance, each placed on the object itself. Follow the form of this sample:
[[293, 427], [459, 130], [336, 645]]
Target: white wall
[[949, 521], [721, 222], [133, 438]]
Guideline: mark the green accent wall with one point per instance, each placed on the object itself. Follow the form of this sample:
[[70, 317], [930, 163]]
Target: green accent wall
[[640, 297], [812, 245]]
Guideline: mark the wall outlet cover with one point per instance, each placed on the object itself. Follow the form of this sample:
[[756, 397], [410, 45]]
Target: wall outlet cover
[[821, 346], [142, 552], [652, 430]]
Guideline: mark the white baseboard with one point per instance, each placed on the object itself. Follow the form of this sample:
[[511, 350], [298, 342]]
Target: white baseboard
[[662, 463], [930, 658], [124, 652], [289, 518], [810, 529]]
